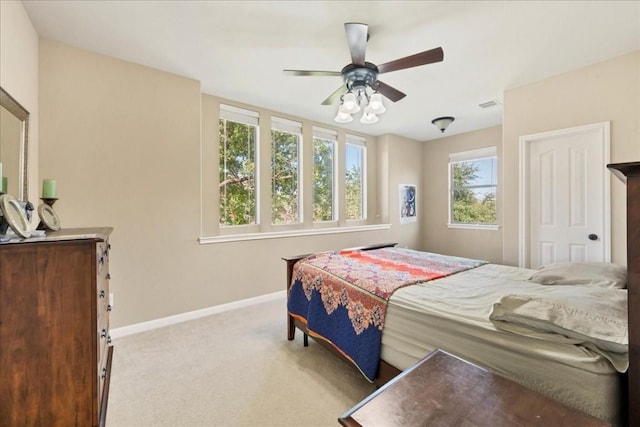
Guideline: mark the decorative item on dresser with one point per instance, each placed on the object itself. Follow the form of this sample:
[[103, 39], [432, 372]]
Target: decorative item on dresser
[[629, 173], [56, 350]]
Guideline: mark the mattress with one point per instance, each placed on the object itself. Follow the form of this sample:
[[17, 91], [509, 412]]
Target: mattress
[[453, 314]]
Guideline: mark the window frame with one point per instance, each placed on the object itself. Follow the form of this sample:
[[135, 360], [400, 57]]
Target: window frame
[[332, 136], [295, 128], [360, 142], [251, 118], [470, 156], [210, 230]]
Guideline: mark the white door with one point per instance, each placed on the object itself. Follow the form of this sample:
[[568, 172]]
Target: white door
[[568, 195]]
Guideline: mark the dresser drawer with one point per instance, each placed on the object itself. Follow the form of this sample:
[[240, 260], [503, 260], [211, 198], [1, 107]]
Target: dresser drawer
[[104, 339], [69, 269], [104, 374]]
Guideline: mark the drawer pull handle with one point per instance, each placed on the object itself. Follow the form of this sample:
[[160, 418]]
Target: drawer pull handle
[[102, 293], [103, 333], [109, 307], [108, 276], [109, 339], [104, 373], [101, 260]]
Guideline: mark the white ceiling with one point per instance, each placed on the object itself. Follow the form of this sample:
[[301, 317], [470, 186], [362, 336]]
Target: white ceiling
[[238, 49]]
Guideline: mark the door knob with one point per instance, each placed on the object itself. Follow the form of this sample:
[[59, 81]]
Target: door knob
[[593, 237]]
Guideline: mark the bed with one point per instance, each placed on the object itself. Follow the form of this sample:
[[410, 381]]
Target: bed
[[467, 308], [579, 374], [483, 313]]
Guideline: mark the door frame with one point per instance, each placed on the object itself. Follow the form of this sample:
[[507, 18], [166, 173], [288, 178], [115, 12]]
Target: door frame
[[604, 128]]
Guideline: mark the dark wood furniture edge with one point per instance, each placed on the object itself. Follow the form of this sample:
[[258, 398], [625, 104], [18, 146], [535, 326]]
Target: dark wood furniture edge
[[629, 173], [417, 395], [105, 391], [346, 420], [385, 370]]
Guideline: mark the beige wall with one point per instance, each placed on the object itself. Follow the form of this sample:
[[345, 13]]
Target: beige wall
[[123, 142], [19, 73], [403, 158], [607, 91], [437, 237]]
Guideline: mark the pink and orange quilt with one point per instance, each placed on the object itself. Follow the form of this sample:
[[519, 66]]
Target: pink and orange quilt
[[342, 296]]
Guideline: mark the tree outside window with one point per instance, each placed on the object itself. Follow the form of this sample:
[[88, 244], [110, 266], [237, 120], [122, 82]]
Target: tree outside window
[[354, 179], [285, 172], [323, 178], [237, 171], [473, 189]]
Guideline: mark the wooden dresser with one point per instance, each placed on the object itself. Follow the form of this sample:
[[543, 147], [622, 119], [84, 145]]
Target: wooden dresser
[[55, 352]]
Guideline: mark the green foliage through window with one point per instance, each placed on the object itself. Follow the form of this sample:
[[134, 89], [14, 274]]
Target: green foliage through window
[[354, 181], [323, 185], [237, 145], [473, 191], [284, 177]]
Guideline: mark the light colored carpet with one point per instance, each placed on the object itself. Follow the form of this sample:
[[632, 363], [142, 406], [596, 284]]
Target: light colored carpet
[[230, 369]]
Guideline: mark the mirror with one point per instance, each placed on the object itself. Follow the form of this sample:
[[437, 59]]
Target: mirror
[[14, 131]]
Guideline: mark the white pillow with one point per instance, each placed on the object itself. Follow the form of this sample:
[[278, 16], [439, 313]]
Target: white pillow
[[603, 274]]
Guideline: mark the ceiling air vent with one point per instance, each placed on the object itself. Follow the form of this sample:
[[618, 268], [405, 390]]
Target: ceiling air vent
[[489, 104]]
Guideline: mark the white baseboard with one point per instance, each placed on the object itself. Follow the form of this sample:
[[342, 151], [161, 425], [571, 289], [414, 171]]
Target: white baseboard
[[191, 315]]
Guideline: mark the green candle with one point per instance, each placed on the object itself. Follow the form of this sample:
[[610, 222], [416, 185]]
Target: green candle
[[3, 185], [48, 189]]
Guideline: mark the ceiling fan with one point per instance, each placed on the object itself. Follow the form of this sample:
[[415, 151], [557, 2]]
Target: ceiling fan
[[361, 77]]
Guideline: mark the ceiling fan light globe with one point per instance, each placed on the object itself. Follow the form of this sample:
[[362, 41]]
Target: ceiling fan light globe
[[369, 118], [375, 103], [354, 109], [343, 117], [350, 103]]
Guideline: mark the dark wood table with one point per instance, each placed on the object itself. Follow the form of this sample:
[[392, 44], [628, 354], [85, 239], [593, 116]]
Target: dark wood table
[[443, 390]]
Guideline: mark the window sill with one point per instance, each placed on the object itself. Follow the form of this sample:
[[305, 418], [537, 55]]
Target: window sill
[[491, 227], [291, 233]]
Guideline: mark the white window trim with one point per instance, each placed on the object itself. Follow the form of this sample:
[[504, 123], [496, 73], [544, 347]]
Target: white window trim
[[293, 127], [251, 118], [329, 135], [206, 240], [463, 156], [239, 115], [360, 141]]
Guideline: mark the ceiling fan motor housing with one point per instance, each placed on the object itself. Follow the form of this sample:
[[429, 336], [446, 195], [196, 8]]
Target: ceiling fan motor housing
[[360, 76]]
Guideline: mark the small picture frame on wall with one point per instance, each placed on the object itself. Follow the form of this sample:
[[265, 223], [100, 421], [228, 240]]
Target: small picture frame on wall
[[408, 206]]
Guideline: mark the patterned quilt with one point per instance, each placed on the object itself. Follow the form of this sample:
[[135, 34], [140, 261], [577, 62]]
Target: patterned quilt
[[342, 296]]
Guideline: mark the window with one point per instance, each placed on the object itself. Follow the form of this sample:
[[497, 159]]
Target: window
[[355, 177], [286, 137], [238, 143], [324, 143], [473, 177]]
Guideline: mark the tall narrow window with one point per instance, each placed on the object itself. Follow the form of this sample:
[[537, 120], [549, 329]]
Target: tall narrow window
[[473, 183], [238, 139], [324, 143], [354, 180], [286, 138]]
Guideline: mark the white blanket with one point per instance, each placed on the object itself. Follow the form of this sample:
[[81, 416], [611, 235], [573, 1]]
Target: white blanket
[[593, 317]]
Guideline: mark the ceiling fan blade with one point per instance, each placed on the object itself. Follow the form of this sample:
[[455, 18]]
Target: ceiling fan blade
[[390, 92], [335, 96], [357, 40], [422, 58], [311, 73]]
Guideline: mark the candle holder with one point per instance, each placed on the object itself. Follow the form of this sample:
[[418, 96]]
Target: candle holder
[[48, 220], [48, 201]]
